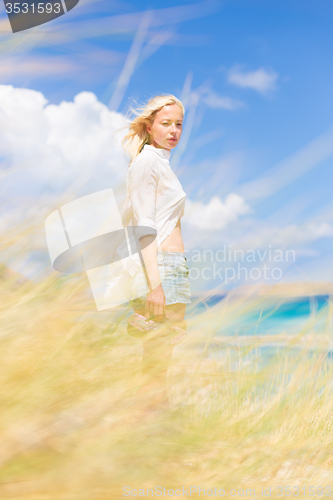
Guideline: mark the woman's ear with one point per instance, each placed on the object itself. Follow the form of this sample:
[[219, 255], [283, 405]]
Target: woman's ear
[[148, 128]]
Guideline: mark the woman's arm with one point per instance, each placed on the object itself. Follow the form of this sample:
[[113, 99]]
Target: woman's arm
[[155, 302]]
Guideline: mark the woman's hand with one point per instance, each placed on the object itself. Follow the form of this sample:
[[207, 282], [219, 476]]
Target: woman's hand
[[155, 302]]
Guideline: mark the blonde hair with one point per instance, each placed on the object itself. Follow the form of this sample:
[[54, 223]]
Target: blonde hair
[[138, 135]]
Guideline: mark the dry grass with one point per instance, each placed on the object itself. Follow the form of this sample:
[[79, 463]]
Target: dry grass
[[71, 425]]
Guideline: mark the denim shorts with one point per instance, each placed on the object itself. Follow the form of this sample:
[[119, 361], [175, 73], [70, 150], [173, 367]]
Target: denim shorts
[[175, 281]]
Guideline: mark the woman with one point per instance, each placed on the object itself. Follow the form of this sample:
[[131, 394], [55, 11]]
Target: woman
[[157, 204]]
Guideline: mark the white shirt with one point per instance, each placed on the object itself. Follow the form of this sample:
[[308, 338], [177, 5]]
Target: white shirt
[[154, 196], [155, 201]]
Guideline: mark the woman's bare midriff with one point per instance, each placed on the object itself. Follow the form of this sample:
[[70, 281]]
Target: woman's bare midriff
[[174, 242]]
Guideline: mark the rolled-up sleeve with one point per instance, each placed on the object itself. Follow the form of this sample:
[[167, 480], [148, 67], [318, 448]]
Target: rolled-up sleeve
[[142, 184]]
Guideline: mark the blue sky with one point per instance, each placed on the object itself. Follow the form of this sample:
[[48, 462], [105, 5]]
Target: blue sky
[[255, 78]]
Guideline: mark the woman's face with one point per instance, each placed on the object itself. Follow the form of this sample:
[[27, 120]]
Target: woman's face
[[166, 129]]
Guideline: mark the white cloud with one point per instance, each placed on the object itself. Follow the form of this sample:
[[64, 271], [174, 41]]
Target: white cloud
[[59, 146], [232, 223], [51, 154], [260, 80], [216, 214], [215, 101]]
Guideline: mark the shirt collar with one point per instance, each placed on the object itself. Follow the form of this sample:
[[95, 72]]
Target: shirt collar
[[163, 153]]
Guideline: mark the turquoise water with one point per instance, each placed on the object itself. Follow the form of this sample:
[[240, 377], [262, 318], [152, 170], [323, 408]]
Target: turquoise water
[[278, 317], [275, 317]]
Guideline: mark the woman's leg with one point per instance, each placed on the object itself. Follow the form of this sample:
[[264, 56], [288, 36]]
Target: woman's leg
[[156, 358]]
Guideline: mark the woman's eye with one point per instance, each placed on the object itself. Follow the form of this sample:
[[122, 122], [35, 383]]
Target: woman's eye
[[166, 123]]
